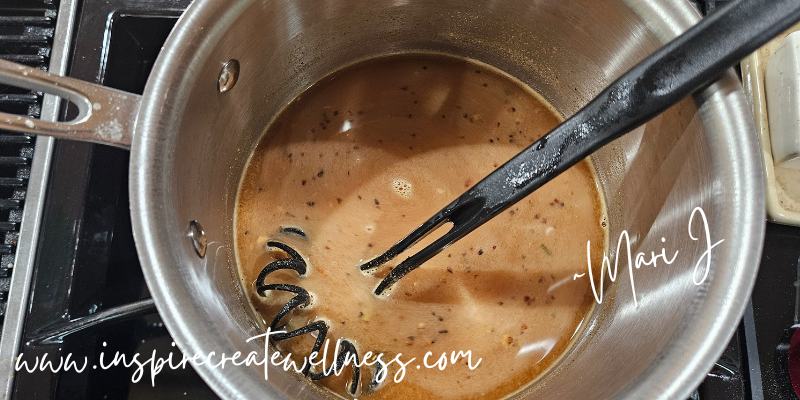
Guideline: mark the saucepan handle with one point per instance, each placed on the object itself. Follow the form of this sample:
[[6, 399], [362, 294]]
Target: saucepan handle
[[105, 115]]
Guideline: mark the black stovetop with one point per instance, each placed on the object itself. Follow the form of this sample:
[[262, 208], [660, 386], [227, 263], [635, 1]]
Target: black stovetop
[[87, 261]]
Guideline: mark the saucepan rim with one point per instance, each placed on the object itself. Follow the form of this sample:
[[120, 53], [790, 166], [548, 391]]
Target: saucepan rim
[[722, 106]]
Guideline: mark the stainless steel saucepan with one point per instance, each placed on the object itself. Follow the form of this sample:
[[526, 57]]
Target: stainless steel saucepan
[[229, 66]]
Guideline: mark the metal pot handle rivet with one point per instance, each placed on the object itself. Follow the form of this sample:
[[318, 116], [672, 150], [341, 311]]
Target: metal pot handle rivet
[[198, 237], [228, 76]]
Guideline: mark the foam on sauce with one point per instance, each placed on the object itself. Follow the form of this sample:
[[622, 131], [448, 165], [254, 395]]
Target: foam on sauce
[[367, 154]]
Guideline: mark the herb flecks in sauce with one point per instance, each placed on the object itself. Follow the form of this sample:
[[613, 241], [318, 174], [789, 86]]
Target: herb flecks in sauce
[[420, 130]]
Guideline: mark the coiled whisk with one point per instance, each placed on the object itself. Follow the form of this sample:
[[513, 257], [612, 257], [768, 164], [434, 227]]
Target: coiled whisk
[[303, 299]]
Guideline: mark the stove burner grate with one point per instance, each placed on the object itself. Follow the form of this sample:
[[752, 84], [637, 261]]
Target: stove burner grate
[[26, 36]]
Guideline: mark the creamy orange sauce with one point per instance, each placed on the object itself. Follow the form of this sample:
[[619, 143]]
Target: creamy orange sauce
[[367, 154]]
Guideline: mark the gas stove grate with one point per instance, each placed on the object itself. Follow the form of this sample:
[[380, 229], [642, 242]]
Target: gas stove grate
[[26, 37]]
